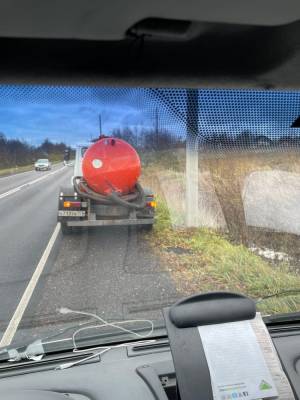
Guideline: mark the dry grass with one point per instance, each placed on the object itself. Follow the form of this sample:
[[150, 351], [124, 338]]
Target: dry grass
[[222, 181], [205, 259], [201, 260], [229, 175], [15, 170]]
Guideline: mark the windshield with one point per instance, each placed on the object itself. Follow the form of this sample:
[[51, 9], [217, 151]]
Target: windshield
[[152, 195]]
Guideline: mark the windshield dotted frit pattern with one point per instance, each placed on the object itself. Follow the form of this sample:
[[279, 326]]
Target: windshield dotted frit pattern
[[265, 115], [223, 167]]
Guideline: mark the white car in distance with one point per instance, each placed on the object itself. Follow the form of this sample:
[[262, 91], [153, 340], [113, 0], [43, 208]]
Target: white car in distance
[[42, 164]]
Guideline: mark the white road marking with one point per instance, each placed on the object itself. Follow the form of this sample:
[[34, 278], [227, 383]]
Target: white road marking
[[17, 189], [18, 314]]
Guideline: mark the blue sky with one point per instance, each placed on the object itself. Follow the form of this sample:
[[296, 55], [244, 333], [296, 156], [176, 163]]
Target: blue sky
[[70, 114], [72, 124]]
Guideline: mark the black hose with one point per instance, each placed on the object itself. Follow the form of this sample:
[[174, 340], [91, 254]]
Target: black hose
[[87, 192], [128, 201], [137, 206]]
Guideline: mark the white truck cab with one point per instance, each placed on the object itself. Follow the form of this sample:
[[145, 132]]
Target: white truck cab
[[80, 150]]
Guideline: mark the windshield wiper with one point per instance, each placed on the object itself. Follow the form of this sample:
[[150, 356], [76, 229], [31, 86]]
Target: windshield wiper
[[286, 292], [284, 318]]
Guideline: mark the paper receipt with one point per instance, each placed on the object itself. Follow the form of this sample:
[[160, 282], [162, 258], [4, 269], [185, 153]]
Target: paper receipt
[[236, 356]]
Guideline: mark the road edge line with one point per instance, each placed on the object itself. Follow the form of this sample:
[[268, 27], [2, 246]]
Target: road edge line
[[19, 312], [24, 185]]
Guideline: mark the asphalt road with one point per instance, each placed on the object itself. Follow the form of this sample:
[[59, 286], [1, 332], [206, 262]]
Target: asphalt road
[[109, 271], [27, 221], [11, 181]]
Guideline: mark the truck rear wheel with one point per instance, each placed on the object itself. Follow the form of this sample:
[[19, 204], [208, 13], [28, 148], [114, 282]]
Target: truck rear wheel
[[66, 230], [146, 228]]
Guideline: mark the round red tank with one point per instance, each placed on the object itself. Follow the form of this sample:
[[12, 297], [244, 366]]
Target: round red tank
[[111, 164]]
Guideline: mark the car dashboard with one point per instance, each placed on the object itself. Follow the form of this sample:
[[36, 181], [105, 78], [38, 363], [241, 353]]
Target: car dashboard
[[138, 371]]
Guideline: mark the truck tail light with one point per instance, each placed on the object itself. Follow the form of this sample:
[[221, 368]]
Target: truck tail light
[[151, 204], [69, 204]]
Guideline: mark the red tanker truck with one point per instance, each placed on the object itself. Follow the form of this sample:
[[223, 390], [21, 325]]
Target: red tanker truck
[[105, 190]]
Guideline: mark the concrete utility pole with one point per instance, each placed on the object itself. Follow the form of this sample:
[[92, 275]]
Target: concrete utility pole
[[192, 157], [156, 128], [192, 174]]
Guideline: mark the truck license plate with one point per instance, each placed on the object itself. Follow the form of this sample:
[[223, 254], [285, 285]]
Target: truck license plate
[[70, 213]]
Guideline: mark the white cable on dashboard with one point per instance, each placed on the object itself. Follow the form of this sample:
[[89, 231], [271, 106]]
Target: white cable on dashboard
[[116, 325], [71, 364], [104, 323], [104, 350]]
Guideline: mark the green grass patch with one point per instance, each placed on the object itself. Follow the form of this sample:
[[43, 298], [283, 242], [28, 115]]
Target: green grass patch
[[201, 260]]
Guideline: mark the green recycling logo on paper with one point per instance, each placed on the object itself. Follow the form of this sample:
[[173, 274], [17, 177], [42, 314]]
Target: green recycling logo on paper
[[264, 385]]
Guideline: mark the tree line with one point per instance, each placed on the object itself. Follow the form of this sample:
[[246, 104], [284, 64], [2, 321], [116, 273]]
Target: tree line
[[247, 140], [149, 139], [16, 152]]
